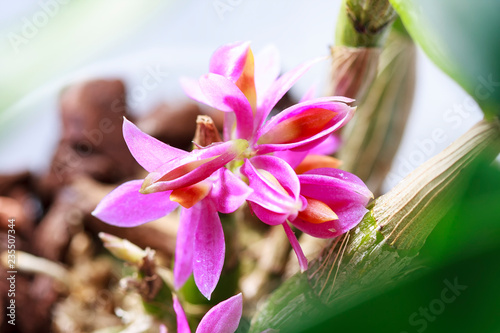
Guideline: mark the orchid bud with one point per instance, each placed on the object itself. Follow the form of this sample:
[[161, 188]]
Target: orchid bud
[[206, 132], [364, 23], [122, 248]]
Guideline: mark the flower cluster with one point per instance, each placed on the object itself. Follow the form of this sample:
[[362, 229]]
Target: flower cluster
[[277, 165]]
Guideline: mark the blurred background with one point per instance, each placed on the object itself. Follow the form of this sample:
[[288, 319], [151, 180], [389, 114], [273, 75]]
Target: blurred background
[[107, 39], [49, 45]]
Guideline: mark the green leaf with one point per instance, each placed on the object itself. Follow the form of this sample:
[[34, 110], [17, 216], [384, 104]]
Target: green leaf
[[461, 37]]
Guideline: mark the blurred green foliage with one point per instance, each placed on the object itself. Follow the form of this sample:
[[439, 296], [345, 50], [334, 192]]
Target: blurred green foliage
[[464, 246], [462, 38]]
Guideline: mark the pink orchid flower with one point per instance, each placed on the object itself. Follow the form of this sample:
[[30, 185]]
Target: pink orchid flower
[[200, 245], [324, 202], [254, 164], [247, 90], [247, 101]]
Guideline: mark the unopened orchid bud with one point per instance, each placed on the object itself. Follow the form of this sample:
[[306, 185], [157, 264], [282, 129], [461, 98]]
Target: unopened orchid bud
[[364, 23], [122, 248]]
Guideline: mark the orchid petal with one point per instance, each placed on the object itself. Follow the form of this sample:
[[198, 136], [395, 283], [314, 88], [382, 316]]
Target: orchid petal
[[331, 144], [296, 157], [281, 170], [304, 125], [343, 192], [313, 161], [340, 179], [229, 192], [192, 88], [268, 216], [229, 60], [225, 96], [229, 125], [184, 246], [276, 187], [149, 152], [246, 81], [193, 168], [279, 88], [126, 207], [267, 69], [209, 248], [292, 157], [348, 217], [224, 317], [182, 323], [296, 247]]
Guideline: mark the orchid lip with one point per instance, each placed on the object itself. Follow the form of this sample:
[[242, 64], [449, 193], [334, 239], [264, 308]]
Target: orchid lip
[[187, 197]]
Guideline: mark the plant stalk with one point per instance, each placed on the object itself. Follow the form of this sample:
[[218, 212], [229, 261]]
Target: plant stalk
[[371, 139], [375, 254]]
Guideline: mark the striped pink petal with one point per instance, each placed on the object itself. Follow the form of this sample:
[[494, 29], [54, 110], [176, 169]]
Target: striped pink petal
[[275, 185], [184, 246], [229, 192], [278, 89]]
